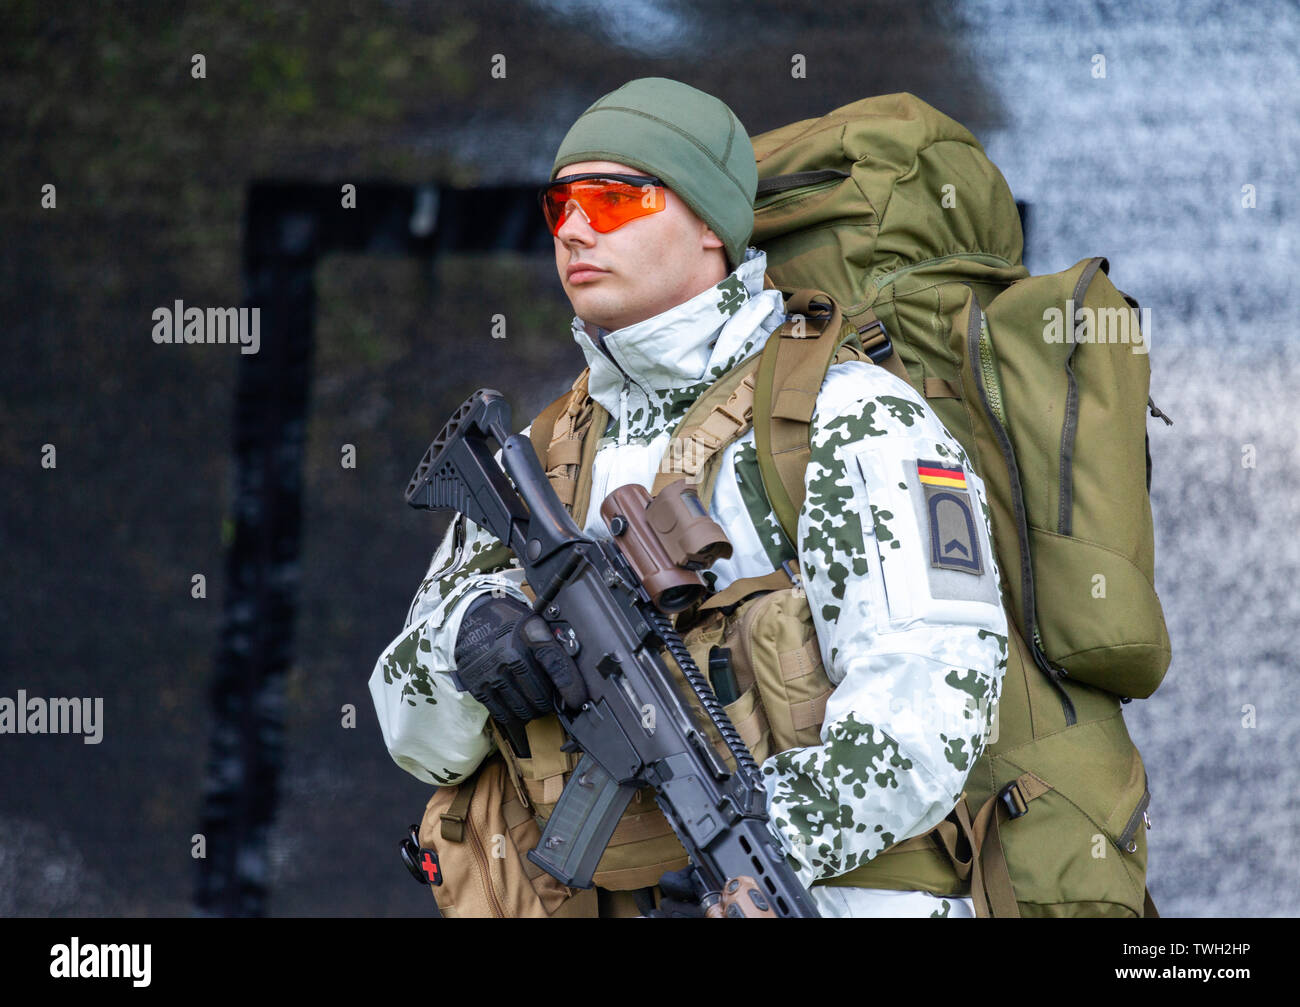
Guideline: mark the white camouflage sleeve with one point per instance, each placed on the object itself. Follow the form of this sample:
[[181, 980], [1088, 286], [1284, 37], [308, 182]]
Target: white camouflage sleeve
[[431, 729], [895, 547]]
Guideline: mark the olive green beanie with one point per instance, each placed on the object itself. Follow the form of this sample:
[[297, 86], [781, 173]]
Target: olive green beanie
[[690, 139]]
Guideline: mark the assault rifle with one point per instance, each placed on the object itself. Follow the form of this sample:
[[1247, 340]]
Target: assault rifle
[[608, 603]]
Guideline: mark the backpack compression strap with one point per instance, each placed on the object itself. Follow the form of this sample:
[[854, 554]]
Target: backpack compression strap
[[790, 374]]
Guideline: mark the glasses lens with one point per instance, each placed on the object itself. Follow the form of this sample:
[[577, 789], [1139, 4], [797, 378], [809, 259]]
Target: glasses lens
[[607, 203]]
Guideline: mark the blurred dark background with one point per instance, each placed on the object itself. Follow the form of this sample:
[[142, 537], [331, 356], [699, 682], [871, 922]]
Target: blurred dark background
[[152, 170]]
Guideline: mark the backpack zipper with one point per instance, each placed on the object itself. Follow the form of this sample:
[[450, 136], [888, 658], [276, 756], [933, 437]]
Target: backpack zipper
[[1134, 820], [485, 876], [992, 386], [885, 279], [979, 349], [790, 195], [1070, 422], [804, 182]]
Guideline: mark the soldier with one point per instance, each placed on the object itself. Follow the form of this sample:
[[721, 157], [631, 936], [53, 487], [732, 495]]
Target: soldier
[[651, 207]]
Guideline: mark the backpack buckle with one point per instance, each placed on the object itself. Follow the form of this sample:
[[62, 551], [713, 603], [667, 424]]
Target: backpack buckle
[[1013, 800], [878, 346], [816, 316]]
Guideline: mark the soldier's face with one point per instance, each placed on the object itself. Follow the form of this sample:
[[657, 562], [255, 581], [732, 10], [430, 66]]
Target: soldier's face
[[645, 267]]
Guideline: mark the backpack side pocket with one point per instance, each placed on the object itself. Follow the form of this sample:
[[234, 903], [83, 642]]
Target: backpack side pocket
[[481, 833]]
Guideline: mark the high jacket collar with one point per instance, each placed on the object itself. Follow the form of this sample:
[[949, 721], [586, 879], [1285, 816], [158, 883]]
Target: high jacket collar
[[693, 344]]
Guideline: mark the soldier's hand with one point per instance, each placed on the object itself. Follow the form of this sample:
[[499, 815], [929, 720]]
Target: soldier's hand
[[677, 896], [507, 659]]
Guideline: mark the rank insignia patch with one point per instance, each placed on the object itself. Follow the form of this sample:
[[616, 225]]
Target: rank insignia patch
[[954, 542]]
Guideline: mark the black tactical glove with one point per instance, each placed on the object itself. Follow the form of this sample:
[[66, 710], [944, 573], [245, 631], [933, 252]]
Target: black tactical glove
[[507, 659], [678, 897]]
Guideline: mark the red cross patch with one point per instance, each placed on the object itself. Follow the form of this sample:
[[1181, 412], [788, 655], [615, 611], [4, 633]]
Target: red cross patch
[[429, 864]]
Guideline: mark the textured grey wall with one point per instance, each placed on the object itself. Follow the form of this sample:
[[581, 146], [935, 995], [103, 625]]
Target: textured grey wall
[[1147, 167]]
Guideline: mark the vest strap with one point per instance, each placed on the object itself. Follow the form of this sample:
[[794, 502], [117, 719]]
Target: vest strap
[[738, 590], [725, 422], [728, 419], [591, 442], [567, 452], [634, 828], [539, 432], [453, 819], [799, 663], [751, 727], [809, 713], [696, 442], [512, 768], [620, 881], [566, 489], [545, 736], [564, 449]]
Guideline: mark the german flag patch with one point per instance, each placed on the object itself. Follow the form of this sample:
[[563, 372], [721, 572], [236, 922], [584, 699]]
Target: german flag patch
[[954, 539], [938, 474]]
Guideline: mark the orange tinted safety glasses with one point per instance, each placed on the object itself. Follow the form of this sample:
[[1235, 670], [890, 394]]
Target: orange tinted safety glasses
[[607, 201]]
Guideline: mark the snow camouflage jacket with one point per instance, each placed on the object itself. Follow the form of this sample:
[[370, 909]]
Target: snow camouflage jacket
[[916, 651]]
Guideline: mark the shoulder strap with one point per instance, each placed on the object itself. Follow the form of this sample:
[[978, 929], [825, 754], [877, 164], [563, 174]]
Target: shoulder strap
[[557, 436], [790, 374]]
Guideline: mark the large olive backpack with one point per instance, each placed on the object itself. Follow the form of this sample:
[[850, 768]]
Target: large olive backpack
[[894, 210]]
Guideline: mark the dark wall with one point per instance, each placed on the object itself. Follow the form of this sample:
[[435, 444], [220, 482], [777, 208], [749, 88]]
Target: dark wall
[[151, 167]]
